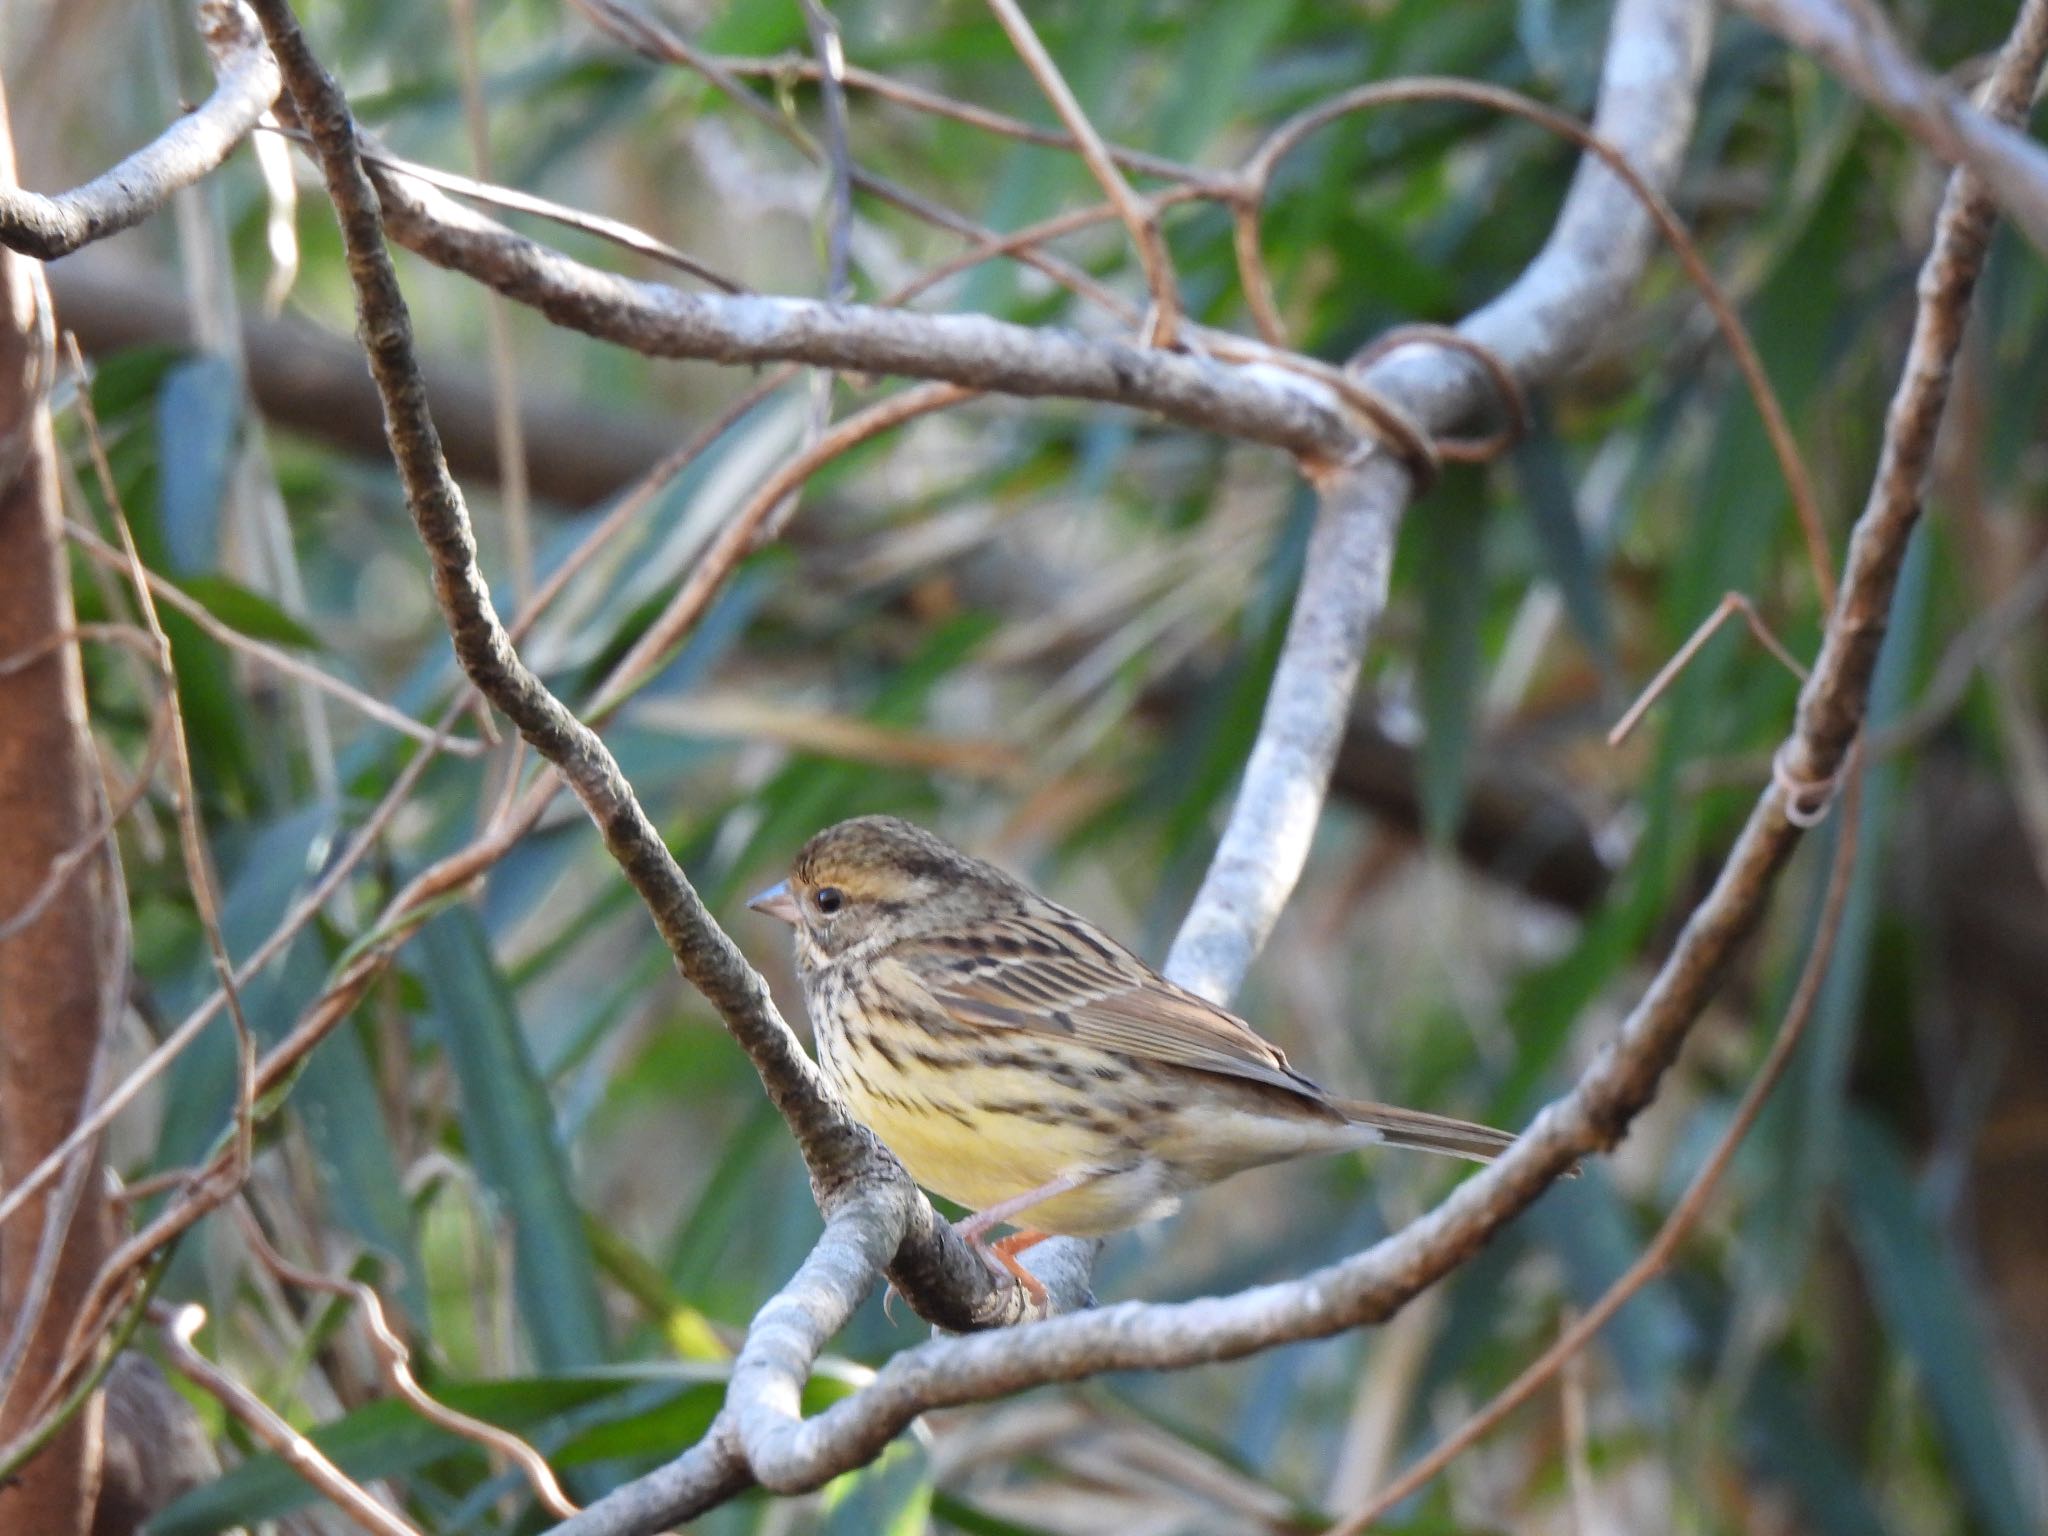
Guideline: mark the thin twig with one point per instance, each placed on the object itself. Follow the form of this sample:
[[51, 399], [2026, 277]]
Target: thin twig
[[1139, 217], [1571, 1392], [274, 657], [244, 87], [100, 1307], [1948, 281], [741, 531], [504, 370], [653, 39], [184, 787], [1731, 604], [919, 98], [1012, 244], [825, 42], [841, 1154], [824, 34], [175, 1330], [396, 1361]]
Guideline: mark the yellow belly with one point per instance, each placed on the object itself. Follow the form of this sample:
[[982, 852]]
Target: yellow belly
[[988, 1159], [980, 1134]]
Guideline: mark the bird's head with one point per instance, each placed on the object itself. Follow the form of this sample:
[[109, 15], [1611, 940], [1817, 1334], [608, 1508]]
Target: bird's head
[[878, 880]]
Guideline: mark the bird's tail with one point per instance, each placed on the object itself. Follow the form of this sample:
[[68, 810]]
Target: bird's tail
[[1426, 1132]]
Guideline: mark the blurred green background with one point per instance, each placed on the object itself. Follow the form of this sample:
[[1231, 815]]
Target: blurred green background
[[1045, 631]]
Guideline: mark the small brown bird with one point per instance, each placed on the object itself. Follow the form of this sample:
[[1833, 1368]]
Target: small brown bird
[[1017, 1060]]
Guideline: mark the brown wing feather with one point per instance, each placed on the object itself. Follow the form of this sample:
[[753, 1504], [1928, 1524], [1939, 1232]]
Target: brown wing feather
[[1050, 973]]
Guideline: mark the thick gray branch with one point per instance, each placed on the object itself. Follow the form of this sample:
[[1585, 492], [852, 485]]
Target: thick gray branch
[[1576, 285], [1343, 592], [244, 87], [1258, 404], [765, 1397], [1854, 42]]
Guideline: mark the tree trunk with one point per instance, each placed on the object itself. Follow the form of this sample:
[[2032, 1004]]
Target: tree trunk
[[52, 981]]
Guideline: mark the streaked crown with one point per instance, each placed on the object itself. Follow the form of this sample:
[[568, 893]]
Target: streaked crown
[[878, 877]]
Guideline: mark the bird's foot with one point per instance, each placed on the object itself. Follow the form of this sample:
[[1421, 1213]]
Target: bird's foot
[[1001, 1256]]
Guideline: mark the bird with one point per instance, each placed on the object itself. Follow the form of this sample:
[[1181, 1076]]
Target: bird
[[1023, 1064]]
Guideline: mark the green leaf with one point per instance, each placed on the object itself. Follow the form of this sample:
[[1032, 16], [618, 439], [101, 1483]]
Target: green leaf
[[249, 612], [334, 1095], [572, 1419], [508, 1126], [1222, 45], [198, 413], [891, 1496], [1546, 485], [1928, 1308], [1782, 1436], [1451, 566]]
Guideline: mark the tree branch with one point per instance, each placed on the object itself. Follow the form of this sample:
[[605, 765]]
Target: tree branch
[[765, 1396], [245, 86], [1258, 404], [63, 960], [1829, 719], [1855, 43], [842, 1156], [1536, 328]]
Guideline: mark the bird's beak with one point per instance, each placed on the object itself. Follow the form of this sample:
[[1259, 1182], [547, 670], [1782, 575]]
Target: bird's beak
[[776, 901]]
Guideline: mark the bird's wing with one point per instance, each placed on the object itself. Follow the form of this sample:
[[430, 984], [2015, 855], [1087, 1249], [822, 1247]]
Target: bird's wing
[[1050, 973]]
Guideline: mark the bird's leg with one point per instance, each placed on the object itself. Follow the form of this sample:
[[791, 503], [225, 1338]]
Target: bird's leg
[[1001, 1257], [1009, 1247], [986, 1220], [1006, 1250], [1005, 1253]]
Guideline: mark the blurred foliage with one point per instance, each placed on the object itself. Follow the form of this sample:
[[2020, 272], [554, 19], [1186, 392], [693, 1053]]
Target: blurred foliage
[[1046, 631]]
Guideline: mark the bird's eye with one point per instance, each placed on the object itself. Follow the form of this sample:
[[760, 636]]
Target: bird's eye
[[829, 899]]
